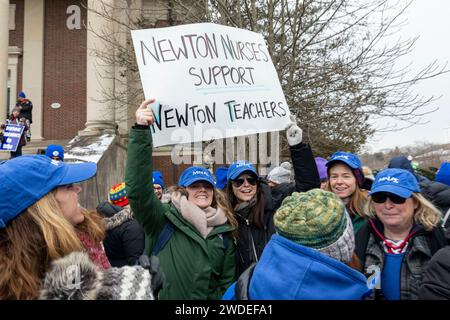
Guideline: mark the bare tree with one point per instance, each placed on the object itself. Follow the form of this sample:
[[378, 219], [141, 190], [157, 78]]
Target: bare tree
[[337, 60]]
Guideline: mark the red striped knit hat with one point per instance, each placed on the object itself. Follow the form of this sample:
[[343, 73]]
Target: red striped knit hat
[[118, 195]]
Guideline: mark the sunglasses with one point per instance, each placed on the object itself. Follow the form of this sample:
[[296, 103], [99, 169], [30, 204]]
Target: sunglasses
[[240, 181], [381, 197]]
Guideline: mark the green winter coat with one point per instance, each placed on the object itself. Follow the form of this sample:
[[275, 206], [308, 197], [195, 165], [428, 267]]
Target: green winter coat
[[195, 268]]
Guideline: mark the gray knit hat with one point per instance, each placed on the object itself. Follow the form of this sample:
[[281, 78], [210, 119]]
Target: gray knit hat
[[75, 277], [279, 175], [317, 219]]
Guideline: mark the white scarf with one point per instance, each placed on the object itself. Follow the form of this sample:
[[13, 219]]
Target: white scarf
[[203, 220]]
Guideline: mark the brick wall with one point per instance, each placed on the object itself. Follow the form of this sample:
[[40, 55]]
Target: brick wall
[[16, 38], [64, 72], [170, 171]]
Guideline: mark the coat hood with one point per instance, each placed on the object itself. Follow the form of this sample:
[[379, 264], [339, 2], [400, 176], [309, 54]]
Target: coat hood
[[290, 271], [75, 277]]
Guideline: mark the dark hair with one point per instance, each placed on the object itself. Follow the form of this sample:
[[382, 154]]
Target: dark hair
[[256, 216]]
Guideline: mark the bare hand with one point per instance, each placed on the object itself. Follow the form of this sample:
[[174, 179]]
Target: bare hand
[[144, 115]]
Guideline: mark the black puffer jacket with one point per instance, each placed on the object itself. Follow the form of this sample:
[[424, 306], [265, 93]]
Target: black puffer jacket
[[125, 238], [252, 240], [435, 192], [436, 280]]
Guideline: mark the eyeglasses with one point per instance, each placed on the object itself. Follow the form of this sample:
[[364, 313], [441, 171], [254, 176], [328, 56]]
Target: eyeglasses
[[240, 181], [381, 197]]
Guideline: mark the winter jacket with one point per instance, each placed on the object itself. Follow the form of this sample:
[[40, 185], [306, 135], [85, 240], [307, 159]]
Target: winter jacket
[[124, 241], [421, 247], [26, 109], [435, 192], [357, 222], [195, 268], [436, 280], [251, 241], [290, 271], [75, 277]]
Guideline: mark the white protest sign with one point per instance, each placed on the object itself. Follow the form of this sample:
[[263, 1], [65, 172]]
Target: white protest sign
[[210, 82]]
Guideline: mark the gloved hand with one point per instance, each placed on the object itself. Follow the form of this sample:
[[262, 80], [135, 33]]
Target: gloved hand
[[144, 115], [294, 134], [152, 265]]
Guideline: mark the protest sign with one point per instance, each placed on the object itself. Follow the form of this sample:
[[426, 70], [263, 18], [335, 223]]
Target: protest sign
[[210, 82], [11, 137]]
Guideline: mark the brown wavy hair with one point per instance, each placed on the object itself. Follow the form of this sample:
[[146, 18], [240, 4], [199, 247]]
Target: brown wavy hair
[[219, 201], [33, 239], [256, 215]]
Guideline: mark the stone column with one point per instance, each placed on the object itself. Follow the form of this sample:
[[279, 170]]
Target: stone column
[[100, 113], [4, 42], [33, 61]]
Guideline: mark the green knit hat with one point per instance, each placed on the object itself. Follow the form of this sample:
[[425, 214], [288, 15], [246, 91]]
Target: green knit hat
[[317, 219]]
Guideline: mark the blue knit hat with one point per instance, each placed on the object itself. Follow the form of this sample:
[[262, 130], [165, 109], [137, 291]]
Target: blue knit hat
[[21, 94], [221, 177], [158, 179]]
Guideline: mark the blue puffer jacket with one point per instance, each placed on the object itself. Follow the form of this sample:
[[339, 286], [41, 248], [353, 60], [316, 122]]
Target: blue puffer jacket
[[290, 271]]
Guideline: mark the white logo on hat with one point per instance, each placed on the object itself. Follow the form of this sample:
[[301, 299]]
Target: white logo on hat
[[200, 172], [55, 153], [389, 179], [341, 157], [243, 164]]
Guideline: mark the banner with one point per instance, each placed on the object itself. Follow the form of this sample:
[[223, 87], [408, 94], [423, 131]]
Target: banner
[[210, 82], [11, 137]]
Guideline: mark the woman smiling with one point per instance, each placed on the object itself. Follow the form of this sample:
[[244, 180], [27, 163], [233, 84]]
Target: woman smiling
[[345, 180], [401, 236]]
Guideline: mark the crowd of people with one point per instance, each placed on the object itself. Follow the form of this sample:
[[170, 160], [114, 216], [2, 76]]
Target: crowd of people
[[313, 228]]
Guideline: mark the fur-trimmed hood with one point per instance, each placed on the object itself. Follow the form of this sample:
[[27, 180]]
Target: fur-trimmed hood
[[119, 218], [75, 277]]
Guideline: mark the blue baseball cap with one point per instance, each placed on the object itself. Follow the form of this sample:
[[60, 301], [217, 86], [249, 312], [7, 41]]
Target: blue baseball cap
[[397, 181], [55, 151], [27, 179], [158, 179], [21, 94], [194, 174], [346, 157], [238, 167]]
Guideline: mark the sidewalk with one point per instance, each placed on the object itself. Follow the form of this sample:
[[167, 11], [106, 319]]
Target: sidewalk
[[33, 146]]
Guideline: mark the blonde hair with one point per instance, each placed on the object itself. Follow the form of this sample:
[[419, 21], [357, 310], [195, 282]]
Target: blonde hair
[[426, 213], [32, 240]]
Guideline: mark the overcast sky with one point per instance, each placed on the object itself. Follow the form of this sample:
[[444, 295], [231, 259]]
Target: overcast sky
[[429, 19]]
